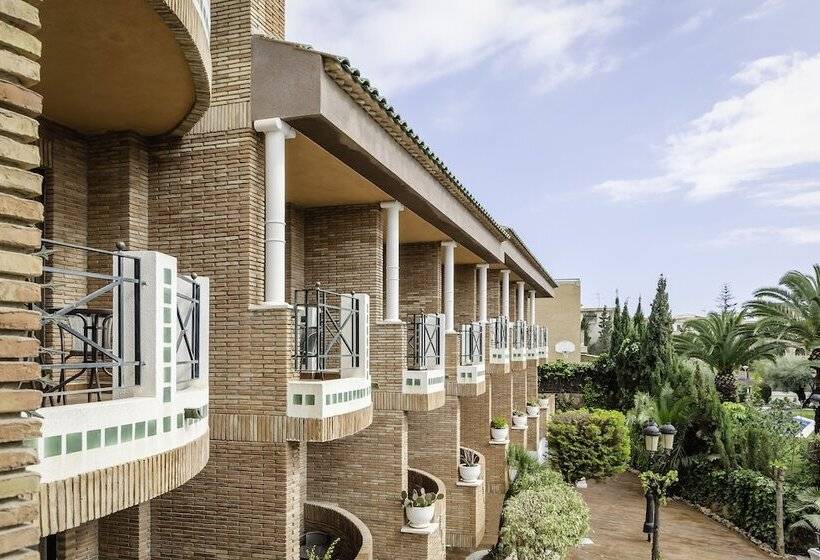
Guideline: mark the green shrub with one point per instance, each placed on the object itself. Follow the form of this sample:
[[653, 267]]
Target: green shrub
[[743, 496], [588, 444], [544, 522]]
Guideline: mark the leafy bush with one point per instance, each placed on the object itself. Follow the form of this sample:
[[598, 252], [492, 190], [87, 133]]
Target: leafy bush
[[542, 518], [588, 444], [743, 496]]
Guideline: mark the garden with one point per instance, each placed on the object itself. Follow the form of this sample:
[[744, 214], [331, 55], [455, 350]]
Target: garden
[[719, 415]]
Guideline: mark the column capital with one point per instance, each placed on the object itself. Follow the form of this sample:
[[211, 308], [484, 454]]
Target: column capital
[[532, 293], [519, 283], [505, 272], [482, 266], [392, 204], [274, 125], [449, 243]]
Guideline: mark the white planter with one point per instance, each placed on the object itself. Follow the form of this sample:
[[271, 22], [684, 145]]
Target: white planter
[[814, 553], [581, 483], [500, 434], [519, 421], [420, 517], [533, 410], [544, 403], [469, 474]]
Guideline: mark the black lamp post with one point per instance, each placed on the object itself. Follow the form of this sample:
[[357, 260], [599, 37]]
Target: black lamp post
[[653, 436]]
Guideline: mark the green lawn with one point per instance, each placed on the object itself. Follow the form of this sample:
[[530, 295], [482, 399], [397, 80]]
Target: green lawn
[[805, 413]]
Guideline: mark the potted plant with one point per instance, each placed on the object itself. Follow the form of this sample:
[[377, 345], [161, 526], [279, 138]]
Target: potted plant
[[499, 429], [469, 468], [420, 507], [519, 419], [532, 408], [543, 401]]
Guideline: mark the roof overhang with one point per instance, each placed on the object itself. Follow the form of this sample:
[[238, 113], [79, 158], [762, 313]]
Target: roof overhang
[[293, 83]]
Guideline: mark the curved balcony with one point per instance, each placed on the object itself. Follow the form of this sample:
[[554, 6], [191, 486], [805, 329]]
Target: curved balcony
[[416, 480], [117, 65], [325, 522], [332, 396], [124, 378]]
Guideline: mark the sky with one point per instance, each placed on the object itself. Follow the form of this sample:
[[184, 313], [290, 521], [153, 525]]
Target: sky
[[622, 139]]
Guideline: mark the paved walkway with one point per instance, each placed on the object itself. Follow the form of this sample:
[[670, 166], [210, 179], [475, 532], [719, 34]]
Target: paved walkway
[[617, 514]]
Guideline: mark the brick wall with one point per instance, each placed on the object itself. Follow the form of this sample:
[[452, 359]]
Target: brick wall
[[464, 300], [79, 543], [65, 197], [20, 214], [126, 535], [419, 278], [493, 293], [365, 474], [240, 506], [294, 250], [344, 250], [434, 441]]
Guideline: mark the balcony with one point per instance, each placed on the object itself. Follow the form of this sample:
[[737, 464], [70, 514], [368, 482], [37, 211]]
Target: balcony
[[519, 341], [124, 376], [424, 373], [331, 355], [500, 342], [326, 523], [471, 368], [125, 65]]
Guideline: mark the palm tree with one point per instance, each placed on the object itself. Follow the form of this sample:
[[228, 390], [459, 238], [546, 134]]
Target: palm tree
[[725, 341], [790, 311]]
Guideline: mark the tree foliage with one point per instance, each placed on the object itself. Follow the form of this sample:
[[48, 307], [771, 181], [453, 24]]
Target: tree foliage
[[790, 311], [588, 444], [725, 341]]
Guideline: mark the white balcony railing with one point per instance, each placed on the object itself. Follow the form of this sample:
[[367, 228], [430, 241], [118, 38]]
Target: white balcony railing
[[123, 402]]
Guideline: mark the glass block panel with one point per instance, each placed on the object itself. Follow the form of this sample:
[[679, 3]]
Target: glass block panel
[[53, 445], [73, 442], [93, 439], [112, 436]]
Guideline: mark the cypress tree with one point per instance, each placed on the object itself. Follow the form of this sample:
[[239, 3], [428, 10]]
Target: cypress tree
[[605, 336], [657, 352], [639, 323], [616, 339]]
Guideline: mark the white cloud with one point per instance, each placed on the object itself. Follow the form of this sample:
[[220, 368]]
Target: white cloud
[[743, 141], [764, 9], [799, 195], [768, 68], [696, 21], [766, 235], [401, 44]]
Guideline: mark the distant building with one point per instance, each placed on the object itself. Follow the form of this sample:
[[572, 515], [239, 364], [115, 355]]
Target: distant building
[[562, 316]]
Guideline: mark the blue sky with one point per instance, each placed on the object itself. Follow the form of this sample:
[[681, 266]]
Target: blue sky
[[621, 139]]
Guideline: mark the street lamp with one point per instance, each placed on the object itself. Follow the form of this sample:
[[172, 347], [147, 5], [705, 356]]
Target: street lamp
[[745, 370], [653, 436]]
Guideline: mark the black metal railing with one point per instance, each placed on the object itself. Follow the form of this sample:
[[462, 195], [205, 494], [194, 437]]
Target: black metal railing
[[519, 334], [543, 338], [534, 332], [423, 341], [471, 339], [84, 339], [189, 308], [327, 333]]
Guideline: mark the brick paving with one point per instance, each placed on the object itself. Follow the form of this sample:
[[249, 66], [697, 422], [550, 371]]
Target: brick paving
[[617, 511]]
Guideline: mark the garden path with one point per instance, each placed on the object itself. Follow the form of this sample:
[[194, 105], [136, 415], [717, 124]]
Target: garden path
[[617, 515]]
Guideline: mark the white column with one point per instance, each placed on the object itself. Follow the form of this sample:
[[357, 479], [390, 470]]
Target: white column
[[449, 270], [532, 307], [482, 292], [391, 257], [519, 300], [505, 293], [276, 132]]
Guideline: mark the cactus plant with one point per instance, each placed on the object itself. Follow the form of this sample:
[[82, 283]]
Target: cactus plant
[[518, 413], [419, 498]]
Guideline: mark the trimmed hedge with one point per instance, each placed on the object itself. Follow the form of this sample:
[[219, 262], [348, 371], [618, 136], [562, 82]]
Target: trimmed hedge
[[588, 444]]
